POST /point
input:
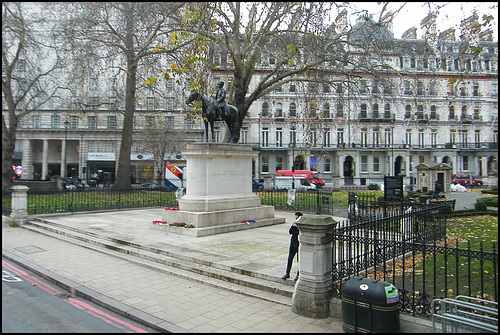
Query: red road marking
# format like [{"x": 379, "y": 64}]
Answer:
[{"x": 75, "y": 302}]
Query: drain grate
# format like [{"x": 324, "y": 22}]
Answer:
[{"x": 30, "y": 249}]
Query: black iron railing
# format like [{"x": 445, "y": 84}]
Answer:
[
  {"x": 406, "y": 245},
  {"x": 47, "y": 202}
]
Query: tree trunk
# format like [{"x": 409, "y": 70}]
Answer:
[{"x": 123, "y": 175}]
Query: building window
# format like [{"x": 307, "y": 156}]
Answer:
[
  {"x": 293, "y": 136},
  {"x": 420, "y": 112},
  {"x": 112, "y": 122},
  {"x": 477, "y": 138},
  {"x": 362, "y": 88},
  {"x": 326, "y": 163},
  {"x": 265, "y": 164},
  {"x": 169, "y": 123},
  {"x": 453, "y": 133},
  {"x": 433, "y": 139},
  {"x": 475, "y": 91},
  {"x": 265, "y": 109},
  {"x": 387, "y": 111},
  {"x": 292, "y": 88},
  {"x": 407, "y": 89},
  {"x": 376, "y": 141},
  {"x": 494, "y": 90},
  {"x": 340, "y": 110},
  {"x": 189, "y": 124},
  {"x": 364, "y": 138},
  {"x": 170, "y": 103},
  {"x": 376, "y": 164},
  {"x": 265, "y": 137},
  {"x": 375, "y": 111},
  {"x": 421, "y": 139},
  {"x": 150, "y": 122},
  {"x": 93, "y": 103},
  {"x": 451, "y": 113},
  {"x": 340, "y": 137},
  {"x": 112, "y": 103},
  {"x": 312, "y": 138},
  {"x": 293, "y": 110},
  {"x": 37, "y": 121},
  {"x": 93, "y": 84},
  {"x": 408, "y": 112},
  {"x": 433, "y": 113},
  {"x": 432, "y": 88},
  {"x": 279, "y": 110},
  {"x": 326, "y": 139},
  {"x": 420, "y": 88},
  {"x": 73, "y": 122},
  {"x": 93, "y": 122},
  {"x": 279, "y": 138},
  {"x": 465, "y": 163},
  {"x": 279, "y": 162},
  {"x": 388, "y": 138},
  {"x": 363, "y": 111},
  {"x": 326, "y": 88},
  {"x": 364, "y": 163},
  {"x": 326, "y": 111},
  {"x": 54, "y": 121},
  {"x": 408, "y": 138}
]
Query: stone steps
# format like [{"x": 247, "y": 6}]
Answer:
[{"x": 178, "y": 261}]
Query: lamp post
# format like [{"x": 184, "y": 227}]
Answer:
[
  {"x": 392, "y": 149},
  {"x": 293, "y": 135},
  {"x": 65, "y": 165}
]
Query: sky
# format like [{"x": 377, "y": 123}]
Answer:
[{"x": 449, "y": 16}]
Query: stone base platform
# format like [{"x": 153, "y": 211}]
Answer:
[{"x": 219, "y": 222}]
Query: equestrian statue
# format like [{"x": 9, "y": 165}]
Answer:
[{"x": 219, "y": 111}]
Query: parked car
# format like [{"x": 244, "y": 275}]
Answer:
[
  {"x": 466, "y": 180},
  {"x": 153, "y": 187},
  {"x": 70, "y": 184},
  {"x": 257, "y": 186}
]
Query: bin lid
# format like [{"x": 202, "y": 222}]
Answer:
[{"x": 370, "y": 290}]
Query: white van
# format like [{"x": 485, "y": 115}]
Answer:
[{"x": 285, "y": 183}]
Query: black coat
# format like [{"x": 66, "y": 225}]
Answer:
[{"x": 294, "y": 241}]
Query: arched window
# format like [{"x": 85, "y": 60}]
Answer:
[
  {"x": 293, "y": 110},
  {"x": 279, "y": 110},
  {"x": 265, "y": 109}
]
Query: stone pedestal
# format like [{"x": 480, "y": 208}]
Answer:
[
  {"x": 312, "y": 292},
  {"x": 19, "y": 204},
  {"x": 219, "y": 192}
]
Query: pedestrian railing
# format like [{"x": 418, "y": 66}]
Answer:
[{"x": 406, "y": 245}]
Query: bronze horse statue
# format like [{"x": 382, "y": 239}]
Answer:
[{"x": 231, "y": 116}]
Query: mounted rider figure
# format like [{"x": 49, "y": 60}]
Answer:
[{"x": 220, "y": 101}]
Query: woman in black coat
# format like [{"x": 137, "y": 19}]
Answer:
[{"x": 294, "y": 246}]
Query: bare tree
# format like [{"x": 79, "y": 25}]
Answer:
[
  {"x": 133, "y": 32},
  {"x": 30, "y": 65}
]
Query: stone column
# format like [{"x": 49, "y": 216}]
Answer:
[
  {"x": 19, "y": 214},
  {"x": 27, "y": 163},
  {"x": 45, "y": 158},
  {"x": 313, "y": 289},
  {"x": 64, "y": 162}
]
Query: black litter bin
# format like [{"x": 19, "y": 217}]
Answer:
[{"x": 369, "y": 306}]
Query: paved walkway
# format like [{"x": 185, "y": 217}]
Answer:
[{"x": 167, "y": 301}]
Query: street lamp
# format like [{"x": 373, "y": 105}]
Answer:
[
  {"x": 65, "y": 165},
  {"x": 292, "y": 135},
  {"x": 392, "y": 148}
]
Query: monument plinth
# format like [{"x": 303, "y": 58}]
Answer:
[{"x": 219, "y": 192}]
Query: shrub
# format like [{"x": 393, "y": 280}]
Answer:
[
  {"x": 490, "y": 202},
  {"x": 480, "y": 205}
]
